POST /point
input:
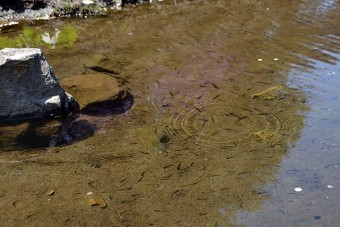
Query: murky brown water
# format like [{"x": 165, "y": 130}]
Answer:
[{"x": 226, "y": 120}]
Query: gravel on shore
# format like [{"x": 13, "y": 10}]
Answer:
[{"x": 13, "y": 11}]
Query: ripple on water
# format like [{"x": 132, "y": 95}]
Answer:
[{"x": 229, "y": 124}]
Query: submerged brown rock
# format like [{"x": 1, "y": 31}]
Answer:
[{"x": 91, "y": 87}]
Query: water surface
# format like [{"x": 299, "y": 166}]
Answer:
[{"x": 234, "y": 106}]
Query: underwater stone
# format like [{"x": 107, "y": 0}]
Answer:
[
  {"x": 29, "y": 89},
  {"x": 275, "y": 92},
  {"x": 92, "y": 88}
]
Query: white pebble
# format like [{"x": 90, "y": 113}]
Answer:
[
  {"x": 298, "y": 189},
  {"x": 276, "y": 59},
  {"x": 87, "y": 2},
  {"x": 330, "y": 186},
  {"x": 89, "y": 193},
  {"x": 260, "y": 59}
]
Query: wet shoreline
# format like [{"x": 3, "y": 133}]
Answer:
[{"x": 12, "y": 13}]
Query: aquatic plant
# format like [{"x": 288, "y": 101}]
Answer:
[
  {"x": 67, "y": 37},
  {"x": 31, "y": 37}
]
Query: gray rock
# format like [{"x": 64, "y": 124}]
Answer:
[{"x": 29, "y": 89}]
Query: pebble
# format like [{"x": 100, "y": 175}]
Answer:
[
  {"x": 276, "y": 59},
  {"x": 97, "y": 202},
  {"x": 51, "y": 192},
  {"x": 318, "y": 217},
  {"x": 89, "y": 193},
  {"x": 87, "y": 2},
  {"x": 259, "y": 59},
  {"x": 330, "y": 186},
  {"x": 298, "y": 189}
]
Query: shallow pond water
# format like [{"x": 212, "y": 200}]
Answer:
[{"x": 235, "y": 108}]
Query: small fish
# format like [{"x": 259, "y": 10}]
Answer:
[
  {"x": 217, "y": 96},
  {"x": 198, "y": 109},
  {"x": 106, "y": 71},
  {"x": 214, "y": 85},
  {"x": 200, "y": 96},
  {"x": 204, "y": 121},
  {"x": 100, "y": 69}
]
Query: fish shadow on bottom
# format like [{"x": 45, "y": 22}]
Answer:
[{"x": 121, "y": 104}]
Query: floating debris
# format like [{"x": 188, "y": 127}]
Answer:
[{"x": 298, "y": 189}]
